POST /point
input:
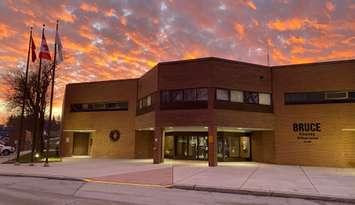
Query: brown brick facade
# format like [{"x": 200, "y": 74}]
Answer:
[{"x": 270, "y": 127}]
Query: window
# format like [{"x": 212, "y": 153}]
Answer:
[
  {"x": 176, "y": 95},
  {"x": 202, "y": 94},
  {"x": 140, "y": 104},
  {"x": 336, "y": 95},
  {"x": 251, "y": 97},
  {"x": 144, "y": 102},
  {"x": 189, "y": 95},
  {"x": 236, "y": 96},
  {"x": 352, "y": 95},
  {"x": 304, "y": 98},
  {"x": 149, "y": 100},
  {"x": 99, "y": 106},
  {"x": 165, "y": 97},
  {"x": 265, "y": 98},
  {"x": 222, "y": 94}
]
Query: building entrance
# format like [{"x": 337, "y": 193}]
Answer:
[
  {"x": 233, "y": 147},
  {"x": 194, "y": 146},
  {"x": 186, "y": 146},
  {"x": 81, "y": 143}
]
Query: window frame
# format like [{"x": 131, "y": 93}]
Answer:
[{"x": 222, "y": 89}]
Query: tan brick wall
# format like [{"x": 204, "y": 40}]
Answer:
[
  {"x": 263, "y": 146},
  {"x": 102, "y": 122},
  {"x": 330, "y": 149},
  {"x": 144, "y": 144}
]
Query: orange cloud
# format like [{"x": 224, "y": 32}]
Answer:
[
  {"x": 295, "y": 40},
  {"x": 239, "y": 28},
  {"x": 330, "y": 6},
  {"x": 89, "y": 7},
  {"x": 5, "y": 31},
  {"x": 251, "y": 4},
  {"x": 295, "y": 24},
  {"x": 85, "y": 32}
]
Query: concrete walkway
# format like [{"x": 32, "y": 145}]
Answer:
[{"x": 240, "y": 177}]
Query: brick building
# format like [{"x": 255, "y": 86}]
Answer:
[{"x": 218, "y": 110}]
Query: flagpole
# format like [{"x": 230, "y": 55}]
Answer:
[
  {"x": 34, "y": 139},
  {"x": 46, "y": 164},
  {"x": 19, "y": 140}
]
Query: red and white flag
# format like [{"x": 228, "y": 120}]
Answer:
[
  {"x": 44, "y": 52},
  {"x": 33, "y": 50}
]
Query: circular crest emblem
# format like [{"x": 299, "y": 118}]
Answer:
[{"x": 115, "y": 135}]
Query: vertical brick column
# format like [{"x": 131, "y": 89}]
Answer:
[
  {"x": 212, "y": 146},
  {"x": 212, "y": 130},
  {"x": 157, "y": 145}
]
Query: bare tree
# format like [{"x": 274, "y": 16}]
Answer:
[{"x": 16, "y": 83}]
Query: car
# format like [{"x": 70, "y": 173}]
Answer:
[{"x": 6, "y": 150}]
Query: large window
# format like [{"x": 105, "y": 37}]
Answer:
[
  {"x": 99, "y": 106},
  {"x": 189, "y": 95},
  {"x": 183, "y": 95},
  {"x": 264, "y": 98},
  {"x": 352, "y": 95},
  {"x": 145, "y": 102},
  {"x": 201, "y": 94},
  {"x": 237, "y": 96},
  {"x": 222, "y": 94},
  {"x": 319, "y": 97},
  {"x": 248, "y": 97},
  {"x": 251, "y": 97},
  {"x": 176, "y": 95}
]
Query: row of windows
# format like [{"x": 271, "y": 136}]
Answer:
[
  {"x": 145, "y": 102},
  {"x": 319, "y": 97},
  {"x": 99, "y": 106},
  {"x": 184, "y": 95},
  {"x": 243, "y": 96}
]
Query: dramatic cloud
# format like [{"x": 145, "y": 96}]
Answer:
[{"x": 123, "y": 39}]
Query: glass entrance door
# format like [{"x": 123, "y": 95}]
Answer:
[
  {"x": 233, "y": 147},
  {"x": 187, "y": 146},
  {"x": 181, "y": 147}
]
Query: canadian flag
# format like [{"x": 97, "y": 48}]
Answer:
[
  {"x": 33, "y": 50},
  {"x": 44, "y": 52}
]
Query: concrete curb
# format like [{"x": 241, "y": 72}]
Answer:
[
  {"x": 265, "y": 193},
  {"x": 43, "y": 177}
]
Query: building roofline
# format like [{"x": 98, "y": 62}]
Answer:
[
  {"x": 102, "y": 81},
  {"x": 211, "y": 58},
  {"x": 314, "y": 63}
]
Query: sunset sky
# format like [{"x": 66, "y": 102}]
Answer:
[{"x": 117, "y": 39}]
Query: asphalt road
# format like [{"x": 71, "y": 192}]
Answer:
[{"x": 35, "y": 191}]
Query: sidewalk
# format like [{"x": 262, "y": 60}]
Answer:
[{"x": 242, "y": 177}]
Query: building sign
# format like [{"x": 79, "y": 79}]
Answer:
[{"x": 307, "y": 131}]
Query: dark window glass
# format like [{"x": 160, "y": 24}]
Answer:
[
  {"x": 165, "y": 97},
  {"x": 314, "y": 97},
  {"x": 304, "y": 98},
  {"x": 352, "y": 95},
  {"x": 190, "y": 95},
  {"x": 202, "y": 94},
  {"x": 76, "y": 107},
  {"x": 140, "y": 104},
  {"x": 336, "y": 95},
  {"x": 99, "y": 106},
  {"x": 149, "y": 100},
  {"x": 176, "y": 95},
  {"x": 222, "y": 94},
  {"x": 251, "y": 97},
  {"x": 88, "y": 107},
  {"x": 144, "y": 102}
]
